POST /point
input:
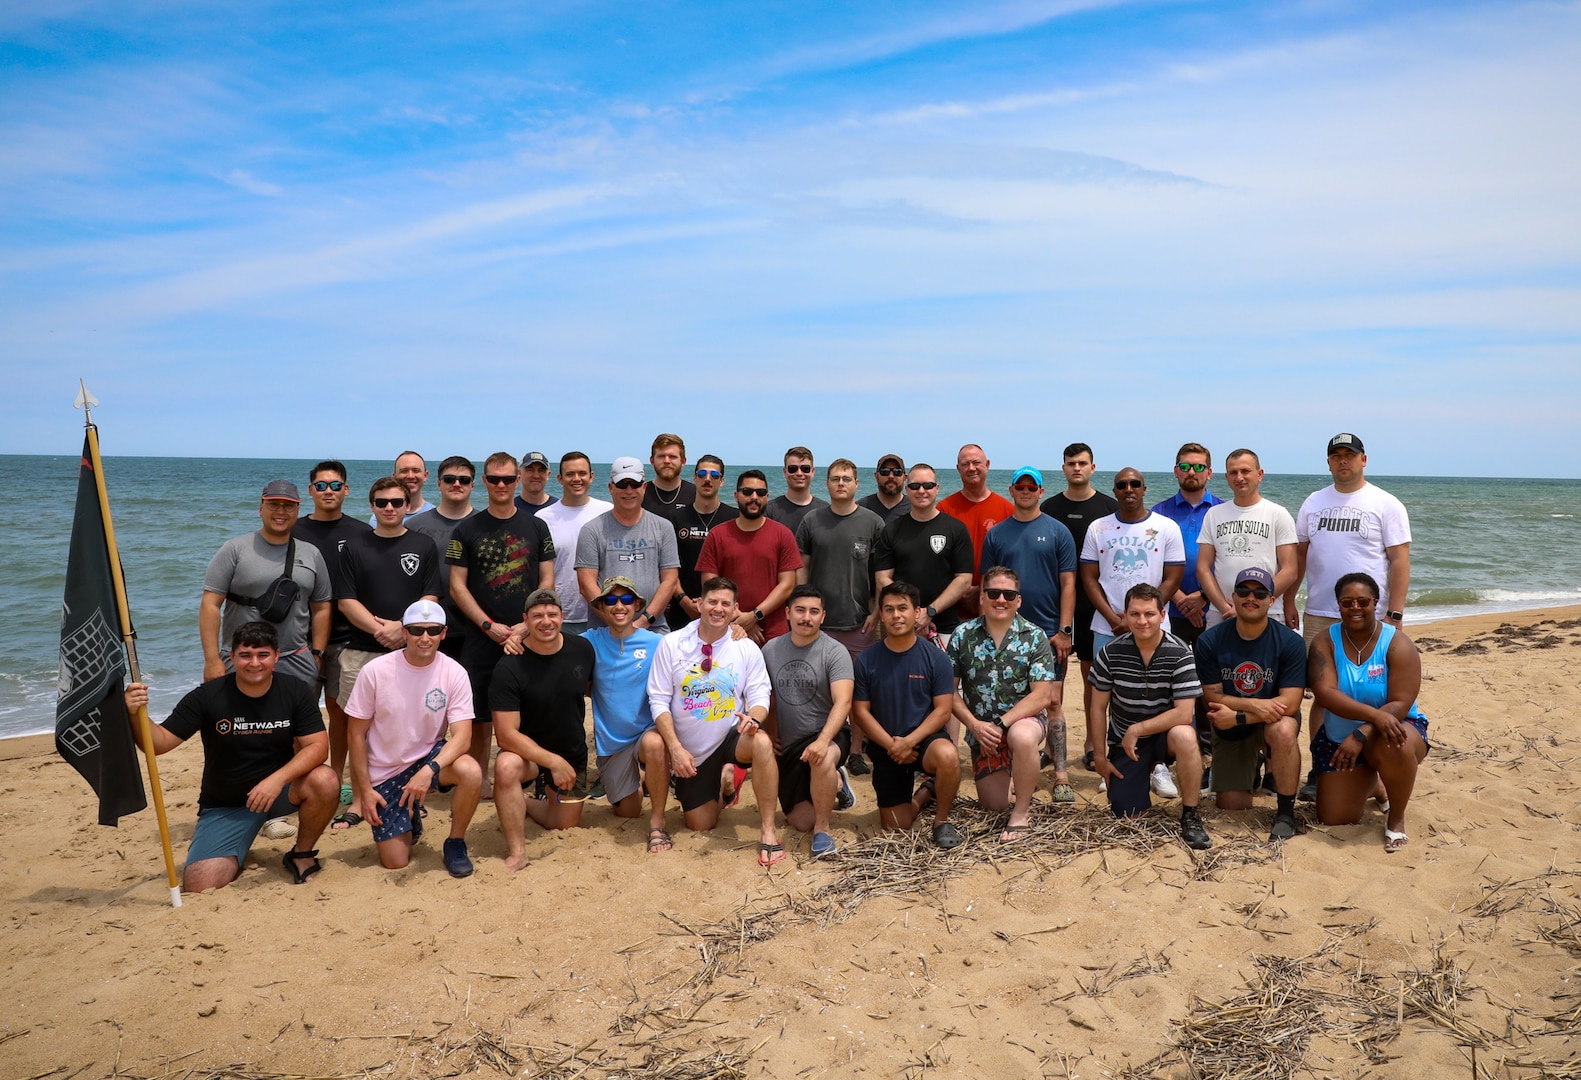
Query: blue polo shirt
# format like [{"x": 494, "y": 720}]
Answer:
[{"x": 1189, "y": 518}]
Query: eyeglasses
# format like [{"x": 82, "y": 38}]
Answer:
[
  {"x": 425, "y": 631},
  {"x": 1357, "y": 603},
  {"x": 1190, "y": 466},
  {"x": 399, "y": 500},
  {"x": 922, "y": 485},
  {"x": 891, "y": 471},
  {"x": 627, "y": 485},
  {"x": 708, "y": 658},
  {"x": 455, "y": 478},
  {"x": 709, "y": 474},
  {"x": 1252, "y": 590},
  {"x": 1122, "y": 485},
  {"x": 836, "y": 478},
  {"x": 328, "y": 485},
  {"x": 624, "y": 599},
  {"x": 753, "y": 493},
  {"x": 490, "y": 478},
  {"x": 1001, "y": 594},
  {"x": 798, "y": 468}
]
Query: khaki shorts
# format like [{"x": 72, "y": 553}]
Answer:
[
  {"x": 1314, "y": 626},
  {"x": 351, "y": 662},
  {"x": 329, "y": 672}
]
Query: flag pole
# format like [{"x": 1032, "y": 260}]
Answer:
[{"x": 145, "y": 734}]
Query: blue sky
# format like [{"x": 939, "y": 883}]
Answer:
[{"x": 261, "y": 229}]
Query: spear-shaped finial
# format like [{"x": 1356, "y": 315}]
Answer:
[{"x": 85, "y": 401}]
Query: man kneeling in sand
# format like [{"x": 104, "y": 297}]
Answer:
[
  {"x": 264, "y": 748},
  {"x": 538, "y": 698},
  {"x": 709, "y": 694},
  {"x": 400, "y": 709}
]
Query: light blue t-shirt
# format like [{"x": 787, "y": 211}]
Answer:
[
  {"x": 1038, "y": 551},
  {"x": 620, "y": 687}
]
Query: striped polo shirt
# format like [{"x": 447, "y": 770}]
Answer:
[{"x": 1139, "y": 691}]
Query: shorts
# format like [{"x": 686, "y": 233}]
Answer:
[
  {"x": 1323, "y": 747},
  {"x": 230, "y": 830},
  {"x": 1083, "y": 649},
  {"x": 577, "y": 792},
  {"x": 479, "y": 658},
  {"x": 1315, "y": 626},
  {"x": 621, "y": 772},
  {"x": 397, "y": 819},
  {"x": 574, "y": 629},
  {"x": 796, "y": 774},
  {"x": 1235, "y": 760},
  {"x": 985, "y": 764},
  {"x": 892, "y": 781},
  {"x": 855, "y": 641},
  {"x": 351, "y": 664},
  {"x": 1099, "y": 641},
  {"x": 329, "y": 671},
  {"x": 702, "y": 788},
  {"x": 1130, "y": 794}
]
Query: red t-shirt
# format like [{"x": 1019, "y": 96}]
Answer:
[
  {"x": 978, "y": 517},
  {"x": 754, "y": 561}
]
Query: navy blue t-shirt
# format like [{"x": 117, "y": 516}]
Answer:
[
  {"x": 1274, "y": 661},
  {"x": 1038, "y": 551},
  {"x": 900, "y": 687}
]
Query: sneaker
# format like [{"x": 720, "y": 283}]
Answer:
[
  {"x": 1284, "y": 827},
  {"x": 946, "y": 835},
  {"x": 822, "y": 844},
  {"x": 597, "y": 790},
  {"x": 845, "y": 798},
  {"x": 1164, "y": 784},
  {"x": 456, "y": 860},
  {"x": 1207, "y": 781},
  {"x": 1270, "y": 785},
  {"x": 858, "y": 765},
  {"x": 1191, "y": 830},
  {"x": 1308, "y": 792}
]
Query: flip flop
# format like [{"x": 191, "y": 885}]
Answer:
[
  {"x": 1393, "y": 841},
  {"x": 345, "y": 821},
  {"x": 769, "y": 854},
  {"x": 1014, "y": 834},
  {"x": 739, "y": 776},
  {"x": 299, "y": 877},
  {"x": 659, "y": 841}
]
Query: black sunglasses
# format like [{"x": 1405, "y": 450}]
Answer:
[
  {"x": 922, "y": 485},
  {"x": 328, "y": 485},
  {"x": 798, "y": 468},
  {"x": 425, "y": 631},
  {"x": 753, "y": 493},
  {"x": 455, "y": 478},
  {"x": 1001, "y": 594},
  {"x": 627, "y": 485},
  {"x": 1252, "y": 590},
  {"x": 1121, "y": 485},
  {"x": 490, "y": 478},
  {"x": 399, "y": 500},
  {"x": 888, "y": 470}
]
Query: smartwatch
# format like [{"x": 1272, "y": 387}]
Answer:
[
  {"x": 757, "y": 613},
  {"x": 1068, "y": 631},
  {"x": 933, "y": 612},
  {"x": 1240, "y": 718},
  {"x": 1360, "y": 737},
  {"x": 317, "y": 652},
  {"x": 432, "y": 764},
  {"x": 1394, "y": 616},
  {"x": 643, "y": 614},
  {"x": 486, "y": 625}
]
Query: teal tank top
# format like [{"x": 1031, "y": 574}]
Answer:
[{"x": 1367, "y": 682}]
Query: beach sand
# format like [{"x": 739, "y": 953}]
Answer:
[{"x": 1055, "y": 958}]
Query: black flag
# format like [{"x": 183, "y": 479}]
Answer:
[{"x": 92, "y": 731}]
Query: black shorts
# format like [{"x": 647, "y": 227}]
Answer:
[
  {"x": 1130, "y": 795},
  {"x": 1082, "y": 648},
  {"x": 702, "y": 787},
  {"x": 796, "y": 774},
  {"x": 479, "y": 656},
  {"x": 892, "y": 781}
]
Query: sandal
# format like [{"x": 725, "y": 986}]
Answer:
[
  {"x": 1393, "y": 841},
  {"x": 769, "y": 854},
  {"x": 659, "y": 841},
  {"x": 345, "y": 821},
  {"x": 921, "y": 801},
  {"x": 1014, "y": 834},
  {"x": 300, "y": 876},
  {"x": 1063, "y": 792}
]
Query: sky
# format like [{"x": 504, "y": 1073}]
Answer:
[{"x": 288, "y": 230}]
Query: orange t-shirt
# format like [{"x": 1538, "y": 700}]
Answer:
[{"x": 978, "y": 517}]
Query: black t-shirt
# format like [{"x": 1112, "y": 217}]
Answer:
[
  {"x": 789, "y": 514},
  {"x": 654, "y": 504},
  {"x": 386, "y": 574},
  {"x": 1078, "y": 517},
  {"x": 330, "y": 538},
  {"x": 244, "y": 738},
  {"x": 887, "y": 513},
  {"x": 533, "y": 508},
  {"x": 927, "y": 554},
  {"x": 1276, "y": 660},
  {"x": 691, "y": 529},
  {"x": 501, "y": 556},
  {"x": 550, "y": 694}
]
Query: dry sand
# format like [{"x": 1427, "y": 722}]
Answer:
[{"x": 1088, "y": 951}]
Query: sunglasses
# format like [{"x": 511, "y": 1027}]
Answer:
[
  {"x": 1357, "y": 602},
  {"x": 1001, "y": 594},
  {"x": 490, "y": 478},
  {"x": 1122, "y": 485},
  {"x": 328, "y": 485},
  {"x": 1252, "y": 590},
  {"x": 891, "y": 471},
  {"x": 425, "y": 631},
  {"x": 627, "y": 485},
  {"x": 709, "y": 474},
  {"x": 397, "y": 501},
  {"x": 1195, "y": 466},
  {"x": 922, "y": 485},
  {"x": 624, "y": 599},
  {"x": 753, "y": 493},
  {"x": 708, "y": 658},
  {"x": 798, "y": 468},
  {"x": 1026, "y": 489},
  {"x": 455, "y": 478}
]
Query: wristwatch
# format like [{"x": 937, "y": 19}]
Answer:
[
  {"x": 1394, "y": 616},
  {"x": 933, "y": 612},
  {"x": 643, "y": 614},
  {"x": 486, "y": 625},
  {"x": 432, "y": 764},
  {"x": 1240, "y": 718},
  {"x": 1068, "y": 631},
  {"x": 757, "y": 613},
  {"x": 316, "y": 652}
]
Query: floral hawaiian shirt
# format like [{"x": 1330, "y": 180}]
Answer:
[{"x": 995, "y": 677}]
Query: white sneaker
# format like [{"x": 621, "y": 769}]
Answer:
[{"x": 1164, "y": 784}]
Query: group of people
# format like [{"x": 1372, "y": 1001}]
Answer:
[{"x": 793, "y": 642}]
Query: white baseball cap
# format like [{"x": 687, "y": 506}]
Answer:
[{"x": 423, "y": 612}]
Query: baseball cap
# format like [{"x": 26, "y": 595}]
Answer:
[
  {"x": 283, "y": 490},
  {"x": 1027, "y": 470},
  {"x": 1345, "y": 441},
  {"x": 626, "y": 468},
  {"x": 423, "y": 612},
  {"x": 896, "y": 458},
  {"x": 542, "y": 596},
  {"x": 534, "y": 457},
  {"x": 621, "y": 582},
  {"x": 1257, "y": 576}
]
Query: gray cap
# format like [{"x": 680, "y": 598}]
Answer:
[
  {"x": 283, "y": 490},
  {"x": 539, "y": 597}
]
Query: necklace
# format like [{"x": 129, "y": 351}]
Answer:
[
  {"x": 658, "y": 493},
  {"x": 1366, "y": 645},
  {"x": 709, "y": 524}
]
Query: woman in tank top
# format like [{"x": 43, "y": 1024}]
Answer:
[{"x": 1366, "y": 674}]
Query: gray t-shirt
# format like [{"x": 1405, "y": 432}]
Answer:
[
  {"x": 248, "y": 565},
  {"x": 836, "y": 551},
  {"x": 801, "y": 680},
  {"x": 640, "y": 552},
  {"x": 437, "y": 527}
]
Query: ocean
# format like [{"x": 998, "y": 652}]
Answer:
[{"x": 1479, "y": 545}]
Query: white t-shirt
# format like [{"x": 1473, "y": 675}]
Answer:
[
  {"x": 565, "y": 525},
  {"x": 1243, "y": 536},
  {"x": 704, "y": 706},
  {"x": 410, "y": 707},
  {"x": 1346, "y": 533},
  {"x": 1131, "y": 553}
]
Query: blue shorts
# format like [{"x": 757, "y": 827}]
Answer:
[
  {"x": 230, "y": 830},
  {"x": 1323, "y": 747},
  {"x": 397, "y": 819},
  {"x": 1130, "y": 794},
  {"x": 1099, "y": 641}
]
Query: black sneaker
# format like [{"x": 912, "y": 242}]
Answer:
[
  {"x": 597, "y": 790},
  {"x": 1284, "y": 828},
  {"x": 1191, "y": 830},
  {"x": 1308, "y": 792},
  {"x": 456, "y": 860},
  {"x": 1270, "y": 785},
  {"x": 857, "y": 765},
  {"x": 845, "y": 798}
]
